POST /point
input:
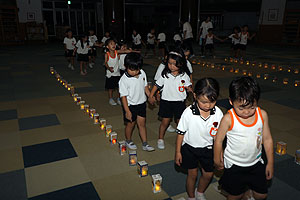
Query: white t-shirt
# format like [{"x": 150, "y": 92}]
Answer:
[
  {"x": 205, "y": 26},
  {"x": 177, "y": 37},
  {"x": 161, "y": 37},
  {"x": 173, "y": 86},
  {"x": 121, "y": 61},
  {"x": 136, "y": 39},
  {"x": 133, "y": 88},
  {"x": 209, "y": 39},
  {"x": 104, "y": 39},
  {"x": 161, "y": 67},
  {"x": 150, "y": 40},
  {"x": 244, "y": 38},
  {"x": 93, "y": 39},
  {"x": 189, "y": 31},
  {"x": 198, "y": 132},
  {"x": 81, "y": 50},
  {"x": 70, "y": 43},
  {"x": 244, "y": 143},
  {"x": 113, "y": 62},
  {"x": 233, "y": 39}
]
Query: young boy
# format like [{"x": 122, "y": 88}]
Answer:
[
  {"x": 209, "y": 42},
  {"x": 246, "y": 127},
  {"x": 244, "y": 37},
  {"x": 133, "y": 88}
]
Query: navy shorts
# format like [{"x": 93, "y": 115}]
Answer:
[
  {"x": 150, "y": 46},
  {"x": 83, "y": 57},
  {"x": 242, "y": 47},
  {"x": 170, "y": 109},
  {"x": 112, "y": 82},
  {"x": 136, "y": 110},
  {"x": 69, "y": 53}
]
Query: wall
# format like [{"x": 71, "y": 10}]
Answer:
[
  {"x": 30, "y": 6},
  {"x": 232, "y": 19},
  {"x": 266, "y": 5}
]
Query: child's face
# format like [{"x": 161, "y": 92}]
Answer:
[
  {"x": 187, "y": 54},
  {"x": 91, "y": 32},
  {"x": 84, "y": 39},
  {"x": 204, "y": 103},
  {"x": 134, "y": 32},
  {"x": 111, "y": 46},
  {"x": 133, "y": 72},
  {"x": 245, "y": 29},
  {"x": 107, "y": 34},
  {"x": 172, "y": 65},
  {"x": 242, "y": 111},
  {"x": 124, "y": 47},
  {"x": 70, "y": 34},
  {"x": 152, "y": 31}
]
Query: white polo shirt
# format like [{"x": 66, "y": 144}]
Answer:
[
  {"x": 233, "y": 39},
  {"x": 161, "y": 37},
  {"x": 205, "y": 26},
  {"x": 150, "y": 40},
  {"x": 81, "y": 50},
  {"x": 173, "y": 86},
  {"x": 177, "y": 37},
  {"x": 70, "y": 43},
  {"x": 93, "y": 39},
  {"x": 198, "y": 132},
  {"x": 137, "y": 40},
  {"x": 121, "y": 61},
  {"x": 189, "y": 31},
  {"x": 161, "y": 67},
  {"x": 133, "y": 88},
  {"x": 104, "y": 39}
]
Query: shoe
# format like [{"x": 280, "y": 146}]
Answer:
[
  {"x": 112, "y": 102},
  {"x": 72, "y": 67},
  {"x": 69, "y": 66},
  {"x": 119, "y": 101},
  {"x": 91, "y": 65},
  {"x": 85, "y": 71},
  {"x": 160, "y": 144},
  {"x": 199, "y": 196},
  {"x": 148, "y": 148},
  {"x": 82, "y": 73},
  {"x": 171, "y": 129},
  {"x": 132, "y": 146}
]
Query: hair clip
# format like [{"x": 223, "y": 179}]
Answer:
[{"x": 175, "y": 53}]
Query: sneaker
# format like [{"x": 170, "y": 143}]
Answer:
[
  {"x": 72, "y": 67},
  {"x": 199, "y": 196},
  {"x": 82, "y": 73},
  {"x": 112, "y": 102},
  {"x": 160, "y": 144},
  {"x": 91, "y": 65},
  {"x": 69, "y": 66},
  {"x": 148, "y": 148},
  {"x": 119, "y": 101},
  {"x": 132, "y": 146},
  {"x": 171, "y": 129}
]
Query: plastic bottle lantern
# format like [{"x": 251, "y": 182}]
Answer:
[
  {"x": 132, "y": 158},
  {"x": 113, "y": 138},
  {"x": 156, "y": 183},
  {"x": 142, "y": 168},
  {"x": 108, "y": 130},
  {"x": 86, "y": 108},
  {"x": 122, "y": 148},
  {"x": 92, "y": 111},
  {"x": 281, "y": 148},
  {"x": 78, "y": 100}
]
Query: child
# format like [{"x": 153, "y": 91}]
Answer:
[
  {"x": 133, "y": 90},
  {"x": 150, "y": 42},
  {"x": 245, "y": 36},
  {"x": 136, "y": 40},
  {"x": 93, "y": 51},
  {"x": 122, "y": 58},
  {"x": 105, "y": 37},
  {"x": 82, "y": 48},
  {"x": 187, "y": 52},
  {"x": 161, "y": 42},
  {"x": 174, "y": 81},
  {"x": 235, "y": 41},
  {"x": 177, "y": 38},
  {"x": 246, "y": 127},
  {"x": 196, "y": 131},
  {"x": 209, "y": 42},
  {"x": 112, "y": 69},
  {"x": 69, "y": 44}
]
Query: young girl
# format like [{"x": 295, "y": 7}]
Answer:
[
  {"x": 174, "y": 81},
  {"x": 177, "y": 38},
  {"x": 69, "y": 44},
  {"x": 209, "y": 42},
  {"x": 113, "y": 69},
  {"x": 136, "y": 40},
  {"x": 245, "y": 36},
  {"x": 235, "y": 41},
  {"x": 93, "y": 51},
  {"x": 82, "y": 48},
  {"x": 196, "y": 131}
]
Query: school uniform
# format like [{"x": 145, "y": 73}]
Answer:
[
  {"x": 197, "y": 145},
  {"x": 177, "y": 40},
  {"x": 243, "y": 40},
  {"x": 136, "y": 41},
  {"x": 70, "y": 45},
  {"x": 82, "y": 53},
  {"x": 150, "y": 41},
  {"x": 173, "y": 94},
  {"x": 234, "y": 41},
  {"x": 162, "y": 66},
  {"x": 244, "y": 166},
  {"x": 209, "y": 42},
  {"x": 112, "y": 78},
  {"x": 103, "y": 41},
  {"x": 162, "y": 40},
  {"x": 121, "y": 63},
  {"x": 93, "y": 51},
  {"x": 133, "y": 88}
]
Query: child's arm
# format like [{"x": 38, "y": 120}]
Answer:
[
  {"x": 111, "y": 69},
  {"x": 217, "y": 38},
  {"x": 127, "y": 51},
  {"x": 268, "y": 145},
  {"x": 128, "y": 114},
  {"x": 151, "y": 98},
  {"x": 178, "y": 156},
  {"x": 147, "y": 91},
  {"x": 252, "y": 36},
  {"x": 218, "y": 148}
]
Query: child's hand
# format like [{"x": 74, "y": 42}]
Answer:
[
  {"x": 111, "y": 69},
  {"x": 157, "y": 97},
  {"x": 269, "y": 171},
  {"x": 219, "y": 163},
  {"x": 178, "y": 158},
  {"x": 189, "y": 89},
  {"x": 151, "y": 100},
  {"x": 128, "y": 116}
]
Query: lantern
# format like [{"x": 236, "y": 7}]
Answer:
[
  {"x": 92, "y": 111},
  {"x": 257, "y": 75},
  {"x": 108, "y": 130},
  {"x": 266, "y": 65},
  {"x": 296, "y": 71},
  {"x": 122, "y": 148},
  {"x": 132, "y": 158},
  {"x": 78, "y": 100},
  {"x": 297, "y": 83},
  {"x": 285, "y": 81},
  {"x": 259, "y": 64},
  {"x": 156, "y": 183},
  {"x": 86, "y": 108},
  {"x": 273, "y": 67},
  {"x": 247, "y": 62},
  {"x": 82, "y": 105},
  {"x": 52, "y": 70},
  {"x": 249, "y": 73},
  {"x": 75, "y": 97},
  {"x": 297, "y": 157},
  {"x": 102, "y": 124},
  {"x": 69, "y": 86},
  {"x": 266, "y": 76},
  {"x": 236, "y": 71},
  {"x": 281, "y": 148},
  {"x": 142, "y": 168},
  {"x": 96, "y": 118},
  {"x": 113, "y": 138}
]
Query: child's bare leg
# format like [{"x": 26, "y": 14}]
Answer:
[
  {"x": 84, "y": 64},
  {"x": 72, "y": 61},
  {"x": 129, "y": 130},
  {"x": 81, "y": 66},
  {"x": 259, "y": 196},
  {"x": 204, "y": 181},
  {"x": 163, "y": 127},
  {"x": 110, "y": 93},
  {"x": 191, "y": 182},
  {"x": 141, "y": 122}
]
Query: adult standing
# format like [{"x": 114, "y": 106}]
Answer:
[
  {"x": 188, "y": 36},
  {"x": 203, "y": 32}
]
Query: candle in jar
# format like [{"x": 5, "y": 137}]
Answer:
[{"x": 281, "y": 148}]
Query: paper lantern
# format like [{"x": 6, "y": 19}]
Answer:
[
  {"x": 75, "y": 97},
  {"x": 273, "y": 67},
  {"x": 142, "y": 168},
  {"x": 223, "y": 67},
  {"x": 122, "y": 148},
  {"x": 249, "y": 73},
  {"x": 82, "y": 105},
  {"x": 285, "y": 81},
  {"x": 236, "y": 71},
  {"x": 52, "y": 70},
  {"x": 247, "y": 62},
  {"x": 226, "y": 59},
  {"x": 266, "y": 65},
  {"x": 96, "y": 118},
  {"x": 92, "y": 111},
  {"x": 156, "y": 183},
  {"x": 281, "y": 148},
  {"x": 280, "y": 68},
  {"x": 259, "y": 64},
  {"x": 257, "y": 75},
  {"x": 254, "y": 64},
  {"x": 69, "y": 87},
  {"x": 72, "y": 91},
  {"x": 86, "y": 108},
  {"x": 231, "y": 69},
  {"x": 274, "y": 79},
  {"x": 102, "y": 124},
  {"x": 297, "y": 83},
  {"x": 266, "y": 76},
  {"x": 244, "y": 72},
  {"x": 108, "y": 130},
  {"x": 297, "y": 157},
  {"x": 241, "y": 62},
  {"x": 113, "y": 138},
  {"x": 296, "y": 71},
  {"x": 132, "y": 158}
]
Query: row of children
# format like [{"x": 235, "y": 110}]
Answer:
[{"x": 202, "y": 127}]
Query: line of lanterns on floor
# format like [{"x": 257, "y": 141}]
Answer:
[
  {"x": 266, "y": 76},
  {"x": 281, "y": 148},
  {"x": 142, "y": 166}
]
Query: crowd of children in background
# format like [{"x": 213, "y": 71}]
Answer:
[{"x": 201, "y": 126}]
